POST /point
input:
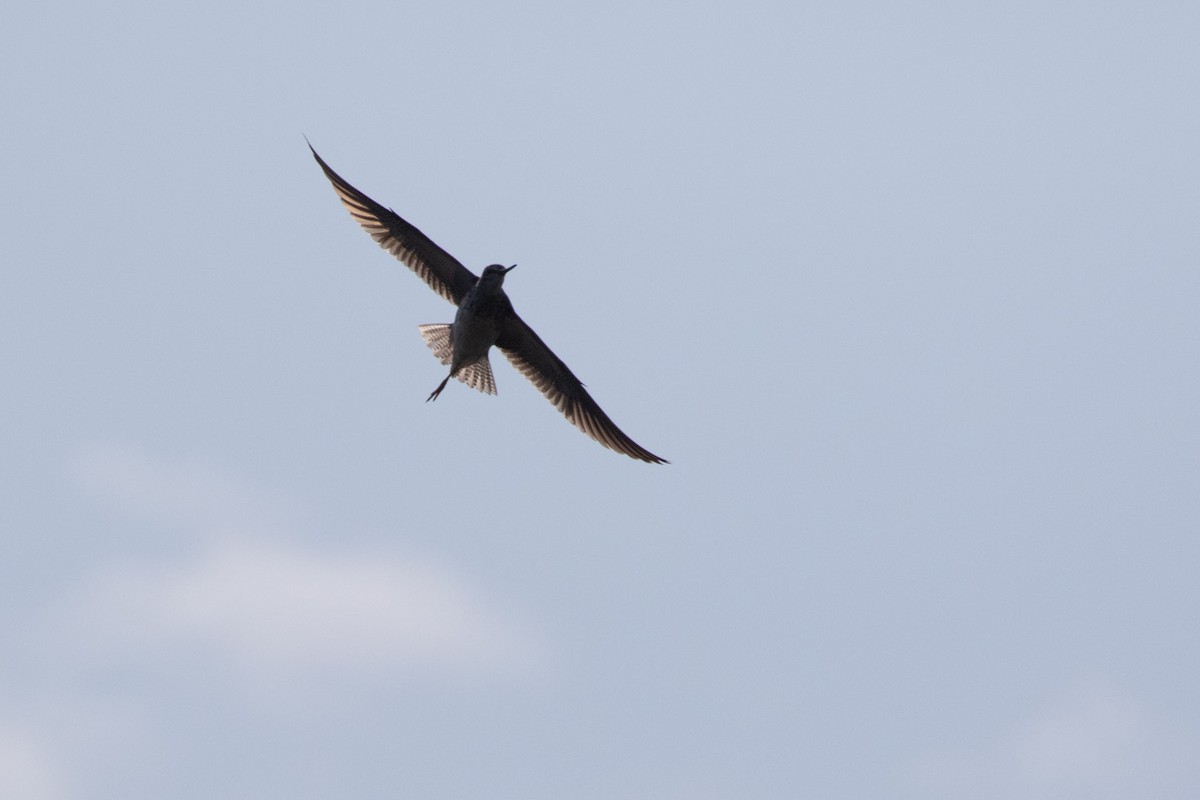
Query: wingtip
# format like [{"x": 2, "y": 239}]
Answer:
[{"x": 328, "y": 170}]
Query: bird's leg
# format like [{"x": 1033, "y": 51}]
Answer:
[{"x": 438, "y": 390}]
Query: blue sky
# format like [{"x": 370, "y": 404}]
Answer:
[{"x": 907, "y": 295}]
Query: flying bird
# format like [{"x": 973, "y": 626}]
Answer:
[{"x": 485, "y": 317}]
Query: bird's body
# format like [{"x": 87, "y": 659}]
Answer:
[
  {"x": 485, "y": 319},
  {"x": 477, "y": 325}
]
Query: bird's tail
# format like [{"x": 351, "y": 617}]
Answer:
[
  {"x": 438, "y": 339},
  {"x": 477, "y": 375}
]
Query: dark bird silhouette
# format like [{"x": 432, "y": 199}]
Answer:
[{"x": 485, "y": 317}]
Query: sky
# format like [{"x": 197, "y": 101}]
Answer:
[{"x": 907, "y": 294}]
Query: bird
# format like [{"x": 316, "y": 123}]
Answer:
[{"x": 485, "y": 318}]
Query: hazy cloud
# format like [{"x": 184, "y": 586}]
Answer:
[
  {"x": 177, "y": 492},
  {"x": 1093, "y": 741},
  {"x": 263, "y": 599},
  {"x": 240, "y": 609},
  {"x": 271, "y": 608},
  {"x": 25, "y": 769},
  {"x": 249, "y": 609}
]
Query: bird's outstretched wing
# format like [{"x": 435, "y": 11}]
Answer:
[
  {"x": 529, "y": 354},
  {"x": 442, "y": 271}
]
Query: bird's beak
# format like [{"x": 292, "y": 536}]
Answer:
[{"x": 510, "y": 269}]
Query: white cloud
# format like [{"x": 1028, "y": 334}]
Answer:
[
  {"x": 254, "y": 595},
  {"x": 273, "y": 608},
  {"x": 243, "y": 613},
  {"x": 1092, "y": 742}
]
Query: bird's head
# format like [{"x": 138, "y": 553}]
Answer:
[{"x": 495, "y": 273}]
